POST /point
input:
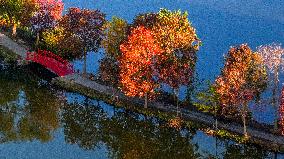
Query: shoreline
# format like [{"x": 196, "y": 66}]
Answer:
[{"x": 84, "y": 86}]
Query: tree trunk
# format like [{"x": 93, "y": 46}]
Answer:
[
  {"x": 146, "y": 101},
  {"x": 14, "y": 29},
  {"x": 176, "y": 97},
  {"x": 37, "y": 40},
  {"x": 244, "y": 114},
  {"x": 275, "y": 155},
  {"x": 85, "y": 63},
  {"x": 275, "y": 102},
  {"x": 215, "y": 113},
  {"x": 216, "y": 146}
]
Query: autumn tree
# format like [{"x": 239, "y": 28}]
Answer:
[
  {"x": 137, "y": 72},
  {"x": 243, "y": 78},
  {"x": 46, "y": 16},
  {"x": 273, "y": 57},
  {"x": 3, "y": 21},
  {"x": 115, "y": 33},
  {"x": 17, "y": 12},
  {"x": 147, "y": 20},
  {"x": 62, "y": 42},
  {"x": 87, "y": 26},
  {"x": 175, "y": 34}
]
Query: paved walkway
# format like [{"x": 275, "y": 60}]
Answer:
[{"x": 13, "y": 46}]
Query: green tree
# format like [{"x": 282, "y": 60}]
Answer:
[
  {"x": 115, "y": 32},
  {"x": 62, "y": 42},
  {"x": 175, "y": 34},
  {"x": 17, "y": 12}
]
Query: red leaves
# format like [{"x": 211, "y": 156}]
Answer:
[
  {"x": 86, "y": 25},
  {"x": 242, "y": 78},
  {"x": 137, "y": 63},
  {"x": 165, "y": 51},
  {"x": 174, "y": 72},
  {"x": 54, "y": 7},
  {"x": 48, "y": 13}
]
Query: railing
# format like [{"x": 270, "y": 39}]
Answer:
[{"x": 51, "y": 61}]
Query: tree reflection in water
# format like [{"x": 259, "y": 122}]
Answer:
[
  {"x": 126, "y": 134},
  {"x": 28, "y": 110},
  {"x": 131, "y": 135},
  {"x": 244, "y": 151},
  {"x": 82, "y": 124}
]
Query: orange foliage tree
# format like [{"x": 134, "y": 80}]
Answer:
[
  {"x": 174, "y": 34},
  {"x": 137, "y": 70},
  {"x": 243, "y": 78}
]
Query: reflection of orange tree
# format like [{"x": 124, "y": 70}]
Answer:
[
  {"x": 129, "y": 137},
  {"x": 242, "y": 79},
  {"x": 82, "y": 124},
  {"x": 41, "y": 115},
  {"x": 243, "y": 151},
  {"x": 36, "y": 119},
  {"x": 137, "y": 64},
  {"x": 125, "y": 134}
]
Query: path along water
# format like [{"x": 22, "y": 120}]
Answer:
[{"x": 13, "y": 46}]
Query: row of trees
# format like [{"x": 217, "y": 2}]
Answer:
[
  {"x": 156, "y": 49},
  {"x": 156, "y": 52},
  {"x": 245, "y": 76}
]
